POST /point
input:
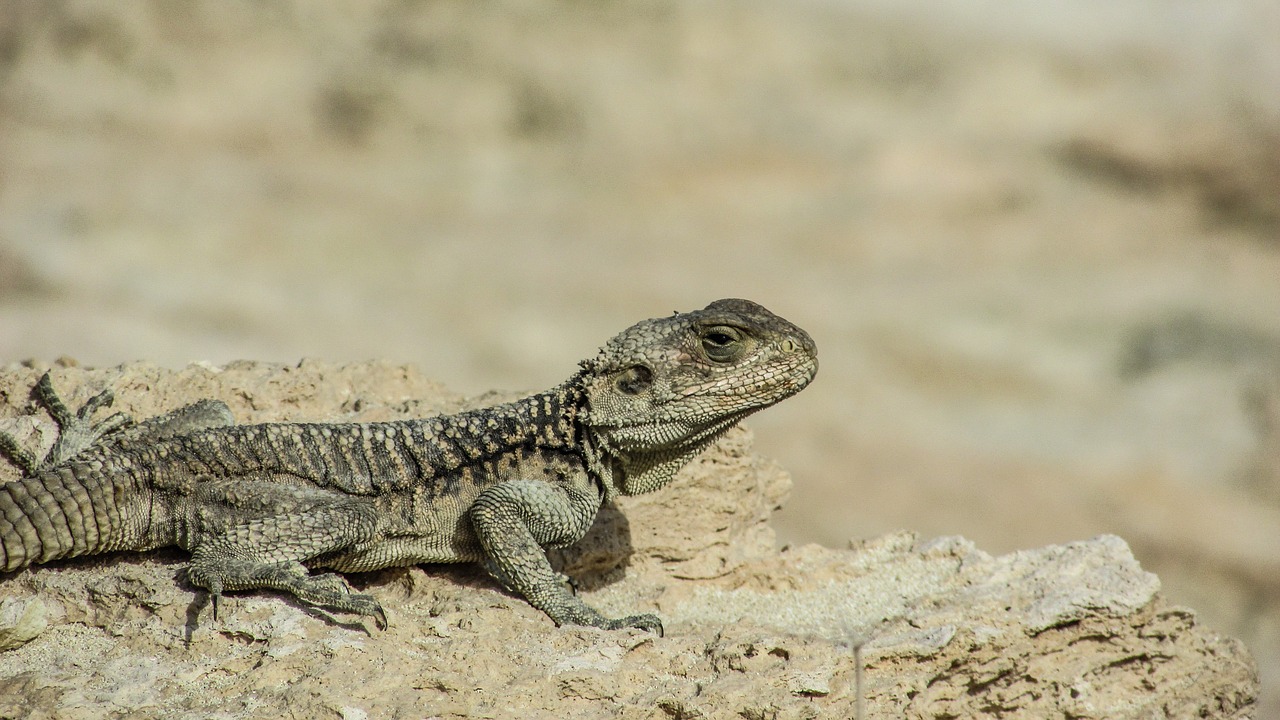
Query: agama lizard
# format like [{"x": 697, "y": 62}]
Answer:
[{"x": 257, "y": 506}]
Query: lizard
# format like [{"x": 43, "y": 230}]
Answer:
[{"x": 260, "y": 506}]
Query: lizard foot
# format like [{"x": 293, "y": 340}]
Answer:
[
  {"x": 569, "y": 610},
  {"x": 328, "y": 590},
  {"x": 332, "y": 591},
  {"x": 77, "y": 431}
]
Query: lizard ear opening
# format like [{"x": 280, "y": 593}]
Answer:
[{"x": 634, "y": 380}]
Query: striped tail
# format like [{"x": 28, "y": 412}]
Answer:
[{"x": 72, "y": 510}]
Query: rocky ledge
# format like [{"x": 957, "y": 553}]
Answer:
[{"x": 941, "y": 628}]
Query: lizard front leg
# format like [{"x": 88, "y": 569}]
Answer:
[{"x": 515, "y": 520}]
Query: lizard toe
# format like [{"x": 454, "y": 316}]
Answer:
[
  {"x": 646, "y": 621},
  {"x": 360, "y": 604}
]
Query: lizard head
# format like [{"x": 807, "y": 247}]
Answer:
[{"x": 663, "y": 389}]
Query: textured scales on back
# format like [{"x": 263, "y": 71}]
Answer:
[{"x": 260, "y": 506}]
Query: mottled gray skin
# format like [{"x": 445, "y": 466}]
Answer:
[{"x": 258, "y": 505}]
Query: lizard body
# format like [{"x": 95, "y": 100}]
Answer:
[{"x": 259, "y": 506}]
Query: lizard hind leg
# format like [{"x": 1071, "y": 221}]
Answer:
[
  {"x": 77, "y": 431},
  {"x": 269, "y": 553},
  {"x": 200, "y": 415}
]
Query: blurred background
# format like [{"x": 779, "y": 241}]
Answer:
[{"x": 1038, "y": 243}]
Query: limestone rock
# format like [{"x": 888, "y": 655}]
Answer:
[
  {"x": 1076, "y": 630},
  {"x": 21, "y": 620}
]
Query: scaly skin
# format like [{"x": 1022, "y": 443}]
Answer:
[{"x": 258, "y": 506}]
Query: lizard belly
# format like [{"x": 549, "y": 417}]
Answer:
[
  {"x": 436, "y": 533},
  {"x": 399, "y": 552}
]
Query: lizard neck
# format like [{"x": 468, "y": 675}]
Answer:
[{"x": 546, "y": 420}]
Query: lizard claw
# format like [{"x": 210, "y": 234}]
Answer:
[
  {"x": 364, "y": 605},
  {"x": 570, "y": 583}
]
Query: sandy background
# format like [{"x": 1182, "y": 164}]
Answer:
[{"x": 1038, "y": 243}]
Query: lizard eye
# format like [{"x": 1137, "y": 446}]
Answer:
[
  {"x": 722, "y": 343},
  {"x": 634, "y": 380}
]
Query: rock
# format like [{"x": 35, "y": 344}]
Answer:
[
  {"x": 945, "y": 630},
  {"x": 21, "y": 620}
]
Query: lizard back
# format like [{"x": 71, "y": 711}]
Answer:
[{"x": 358, "y": 458}]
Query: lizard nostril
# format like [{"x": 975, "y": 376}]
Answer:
[{"x": 790, "y": 346}]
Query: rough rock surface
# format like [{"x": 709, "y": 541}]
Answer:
[{"x": 1076, "y": 630}]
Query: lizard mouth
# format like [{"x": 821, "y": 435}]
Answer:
[
  {"x": 767, "y": 389},
  {"x": 699, "y": 413}
]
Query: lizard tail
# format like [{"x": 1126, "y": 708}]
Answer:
[{"x": 72, "y": 510}]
